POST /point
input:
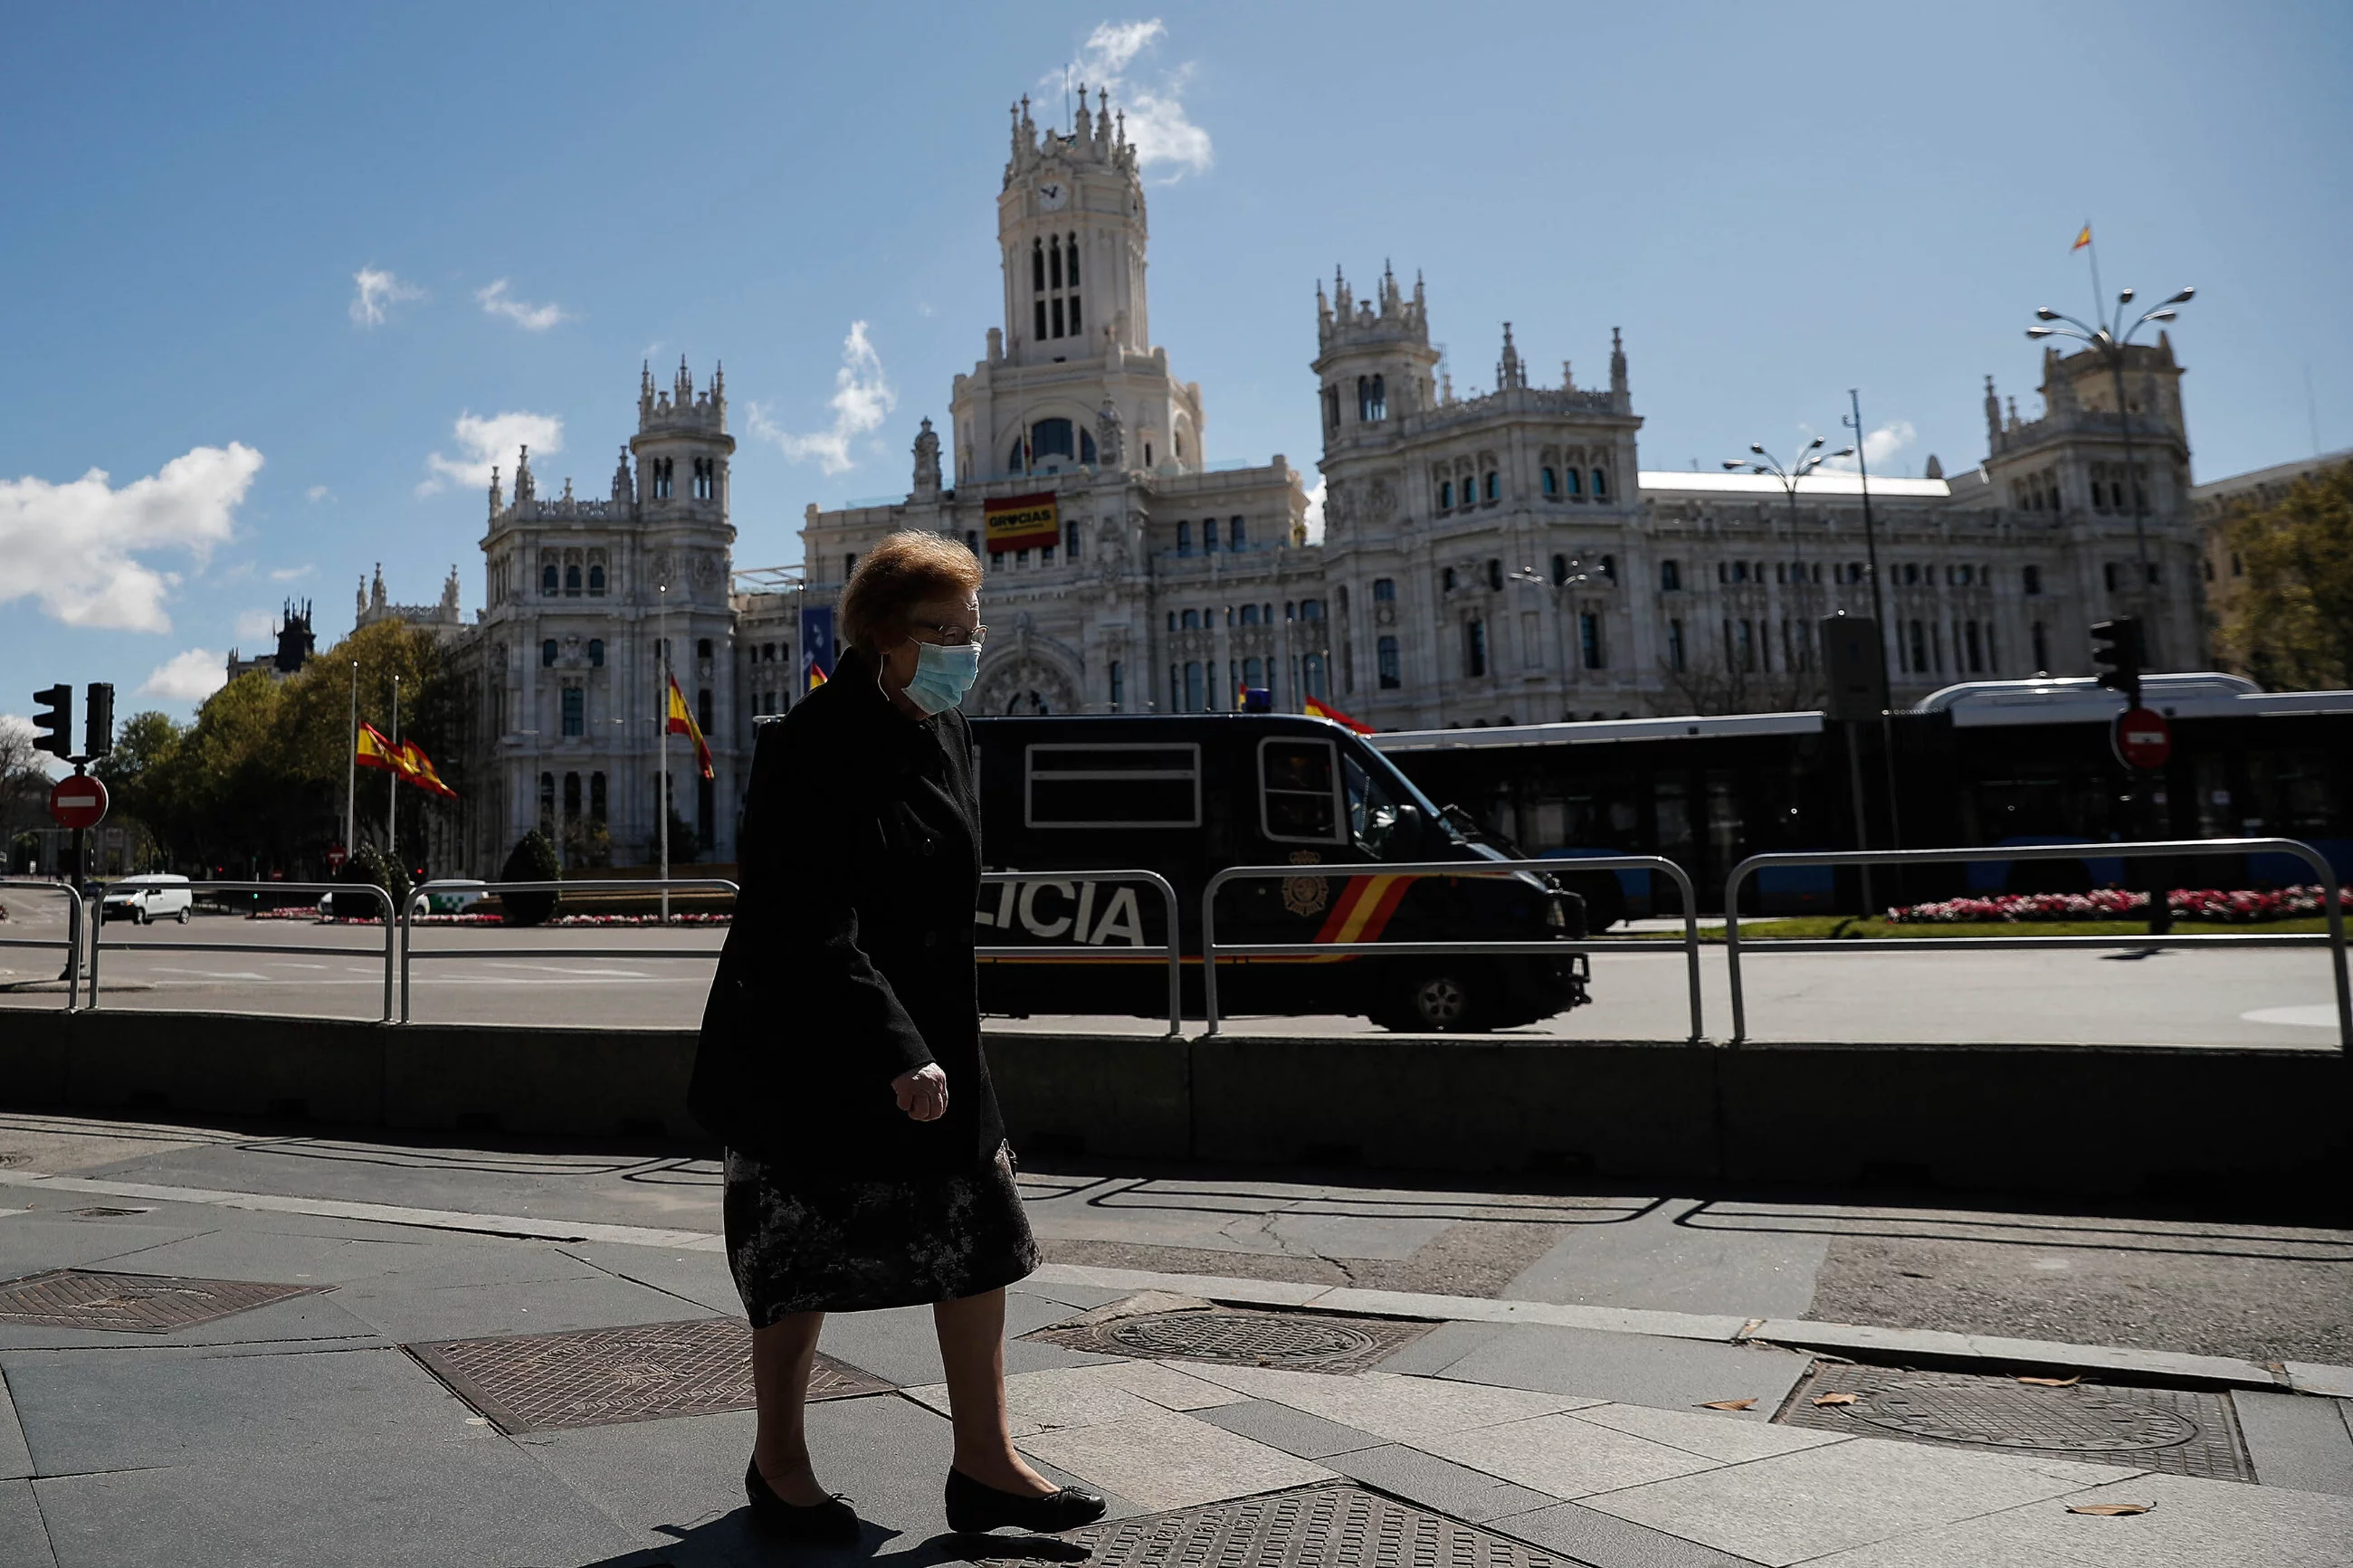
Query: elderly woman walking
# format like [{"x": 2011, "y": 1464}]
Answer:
[{"x": 841, "y": 1059}]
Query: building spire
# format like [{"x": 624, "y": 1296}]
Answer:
[{"x": 1616, "y": 362}]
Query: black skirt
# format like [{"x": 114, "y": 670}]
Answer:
[{"x": 802, "y": 1244}]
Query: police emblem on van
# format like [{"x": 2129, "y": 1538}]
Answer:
[{"x": 1304, "y": 895}]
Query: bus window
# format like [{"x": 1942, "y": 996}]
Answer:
[
  {"x": 1114, "y": 786},
  {"x": 1372, "y": 814},
  {"x": 1297, "y": 801}
]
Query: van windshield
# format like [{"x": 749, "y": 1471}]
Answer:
[{"x": 1376, "y": 790}]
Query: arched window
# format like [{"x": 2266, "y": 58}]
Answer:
[
  {"x": 702, "y": 648},
  {"x": 1195, "y": 687},
  {"x": 1235, "y": 537},
  {"x": 1054, "y": 266},
  {"x": 1384, "y": 590},
  {"x": 595, "y": 581},
  {"x": 1208, "y": 535},
  {"x": 596, "y": 797},
  {"x": 1330, "y": 408},
  {"x": 1052, "y": 439},
  {"x": 1192, "y": 620},
  {"x": 1495, "y": 481},
  {"x": 1392, "y": 670},
  {"x": 548, "y": 654},
  {"x": 1184, "y": 542},
  {"x": 1380, "y": 397},
  {"x": 1072, "y": 269},
  {"x": 1559, "y": 570},
  {"x": 1038, "y": 267},
  {"x": 1086, "y": 446},
  {"x": 1494, "y": 573},
  {"x": 575, "y": 723},
  {"x": 1574, "y": 489},
  {"x": 572, "y": 582},
  {"x": 1600, "y": 485},
  {"x": 1249, "y": 615},
  {"x": 1446, "y": 495},
  {"x": 1475, "y": 648},
  {"x": 1446, "y": 580},
  {"x": 1671, "y": 577},
  {"x": 596, "y": 653},
  {"x": 1551, "y": 482},
  {"x": 547, "y": 584},
  {"x": 1364, "y": 398}
]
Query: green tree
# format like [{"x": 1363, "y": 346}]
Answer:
[
  {"x": 2290, "y": 625},
  {"x": 140, "y": 773},
  {"x": 532, "y": 860}
]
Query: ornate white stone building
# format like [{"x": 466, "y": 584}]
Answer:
[{"x": 1490, "y": 559}]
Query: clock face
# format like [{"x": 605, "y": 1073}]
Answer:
[{"x": 1052, "y": 195}]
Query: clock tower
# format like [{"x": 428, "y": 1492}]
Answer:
[{"x": 1074, "y": 362}]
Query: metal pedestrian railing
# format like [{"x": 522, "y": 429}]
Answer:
[
  {"x": 69, "y": 943},
  {"x": 2333, "y": 938},
  {"x": 1172, "y": 950},
  {"x": 409, "y": 950},
  {"x": 382, "y": 899},
  {"x": 1211, "y": 950}
]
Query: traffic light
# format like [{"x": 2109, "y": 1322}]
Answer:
[
  {"x": 2118, "y": 652},
  {"x": 54, "y": 721},
  {"x": 97, "y": 719}
]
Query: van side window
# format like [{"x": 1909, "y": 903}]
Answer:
[
  {"x": 1372, "y": 814},
  {"x": 1112, "y": 785},
  {"x": 1297, "y": 801}
]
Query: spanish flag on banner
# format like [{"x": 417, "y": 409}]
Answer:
[
  {"x": 417, "y": 769},
  {"x": 2082, "y": 240},
  {"x": 375, "y": 752},
  {"x": 1321, "y": 709},
  {"x": 681, "y": 722}
]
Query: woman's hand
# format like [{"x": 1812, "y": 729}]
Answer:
[{"x": 923, "y": 1093}]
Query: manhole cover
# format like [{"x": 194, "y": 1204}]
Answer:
[
  {"x": 1302, "y": 1341},
  {"x": 2180, "y": 1431},
  {"x": 596, "y": 1377},
  {"x": 1315, "y": 1527},
  {"x": 104, "y": 1212},
  {"x": 131, "y": 1303}
]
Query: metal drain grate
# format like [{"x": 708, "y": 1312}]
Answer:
[
  {"x": 1304, "y": 1342},
  {"x": 1315, "y": 1527},
  {"x": 131, "y": 1303},
  {"x": 2182, "y": 1432},
  {"x": 598, "y": 1377},
  {"x": 104, "y": 1212}
]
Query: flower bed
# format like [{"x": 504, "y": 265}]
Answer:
[
  {"x": 310, "y": 913},
  {"x": 2116, "y": 904}
]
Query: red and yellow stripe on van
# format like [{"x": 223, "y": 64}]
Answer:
[{"x": 1363, "y": 908}]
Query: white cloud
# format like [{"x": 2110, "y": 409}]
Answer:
[
  {"x": 1314, "y": 519},
  {"x": 531, "y": 318},
  {"x": 253, "y": 626},
  {"x": 318, "y": 493},
  {"x": 189, "y": 677},
  {"x": 491, "y": 443},
  {"x": 288, "y": 574},
  {"x": 1163, "y": 134},
  {"x": 1879, "y": 446},
  {"x": 75, "y": 547},
  {"x": 862, "y": 396},
  {"x": 376, "y": 293}
]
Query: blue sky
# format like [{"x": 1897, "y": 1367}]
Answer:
[{"x": 1774, "y": 203}]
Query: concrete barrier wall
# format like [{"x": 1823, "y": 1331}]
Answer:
[{"x": 2066, "y": 1118}]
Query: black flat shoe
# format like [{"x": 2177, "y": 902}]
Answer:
[
  {"x": 973, "y": 1509},
  {"x": 829, "y": 1523}
]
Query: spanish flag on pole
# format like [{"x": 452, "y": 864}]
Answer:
[
  {"x": 417, "y": 769},
  {"x": 681, "y": 722},
  {"x": 2082, "y": 240},
  {"x": 1317, "y": 709},
  {"x": 375, "y": 751}
]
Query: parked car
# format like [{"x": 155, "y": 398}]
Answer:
[{"x": 150, "y": 897}]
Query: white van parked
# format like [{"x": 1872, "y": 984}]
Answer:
[{"x": 149, "y": 898}]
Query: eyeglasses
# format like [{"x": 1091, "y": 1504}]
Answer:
[{"x": 950, "y": 635}]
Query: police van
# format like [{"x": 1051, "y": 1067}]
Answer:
[{"x": 1189, "y": 796}]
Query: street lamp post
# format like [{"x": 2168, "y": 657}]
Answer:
[
  {"x": 2109, "y": 339},
  {"x": 1575, "y": 574},
  {"x": 1853, "y": 421},
  {"x": 1761, "y": 461}
]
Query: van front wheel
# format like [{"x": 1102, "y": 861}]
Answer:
[{"x": 1446, "y": 1000}]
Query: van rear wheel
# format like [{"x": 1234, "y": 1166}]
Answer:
[{"x": 1447, "y": 1000}]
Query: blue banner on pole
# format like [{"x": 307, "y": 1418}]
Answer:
[{"x": 818, "y": 650}]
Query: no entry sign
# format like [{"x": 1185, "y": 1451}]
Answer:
[
  {"x": 2142, "y": 738},
  {"x": 78, "y": 802}
]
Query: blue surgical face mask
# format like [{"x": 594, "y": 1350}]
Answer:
[{"x": 942, "y": 675}]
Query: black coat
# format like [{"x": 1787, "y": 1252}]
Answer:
[{"x": 850, "y": 958}]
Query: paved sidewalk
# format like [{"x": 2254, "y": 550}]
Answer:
[{"x": 312, "y": 1428}]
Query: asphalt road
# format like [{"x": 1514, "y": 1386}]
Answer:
[
  {"x": 2264, "y": 997},
  {"x": 2213, "y": 1282}
]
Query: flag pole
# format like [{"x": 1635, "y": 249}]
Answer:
[
  {"x": 352, "y": 769},
  {"x": 392, "y": 790},
  {"x": 2099, "y": 300},
  {"x": 661, "y": 739}
]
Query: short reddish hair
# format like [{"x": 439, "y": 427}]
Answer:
[{"x": 903, "y": 570}]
